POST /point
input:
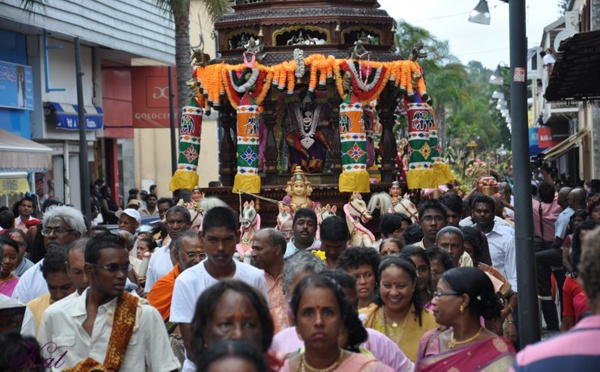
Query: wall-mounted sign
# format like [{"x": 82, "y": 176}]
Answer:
[{"x": 16, "y": 86}]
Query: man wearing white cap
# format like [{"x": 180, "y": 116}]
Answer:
[{"x": 129, "y": 220}]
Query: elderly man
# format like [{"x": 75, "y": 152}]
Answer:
[
  {"x": 75, "y": 265},
  {"x": 576, "y": 350},
  {"x": 62, "y": 225},
  {"x": 129, "y": 220},
  {"x": 59, "y": 284},
  {"x": 305, "y": 232},
  {"x": 188, "y": 253},
  {"x": 451, "y": 240},
  {"x": 178, "y": 220},
  {"x": 105, "y": 327},
  {"x": 268, "y": 248}
]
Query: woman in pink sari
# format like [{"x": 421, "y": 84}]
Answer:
[
  {"x": 462, "y": 296},
  {"x": 320, "y": 313},
  {"x": 9, "y": 251}
]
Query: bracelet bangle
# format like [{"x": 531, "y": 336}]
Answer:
[
  {"x": 510, "y": 308},
  {"x": 510, "y": 321}
]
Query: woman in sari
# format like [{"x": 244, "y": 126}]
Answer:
[
  {"x": 398, "y": 312},
  {"x": 322, "y": 315},
  {"x": 505, "y": 323},
  {"x": 9, "y": 251},
  {"x": 462, "y": 296}
]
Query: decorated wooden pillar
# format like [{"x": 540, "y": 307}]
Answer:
[
  {"x": 228, "y": 167},
  {"x": 336, "y": 151},
  {"x": 271, "y": 153},
  {"x": 388, "y": 148}
]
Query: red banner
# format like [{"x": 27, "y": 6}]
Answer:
[
  {"x": 150, "y": 90},
  {"x": 545, "y": 138}
]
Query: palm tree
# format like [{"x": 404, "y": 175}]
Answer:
[{"x": 180, "y": 11}]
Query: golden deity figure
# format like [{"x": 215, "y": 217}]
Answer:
[
  {"x": 395, "y": 193},
  {"x": 298, "y": 191}
]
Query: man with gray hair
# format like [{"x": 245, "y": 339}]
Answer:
[
  {"x": 268, "y": 247},
  {"x": 61, "y": 226},
  {"x": 451, "y": 240},
  {"x": 298, "y": 266}
]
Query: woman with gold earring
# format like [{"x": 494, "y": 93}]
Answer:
[
  {"x": 398, "y": 312},
  {"x": 464, "y": 295}
]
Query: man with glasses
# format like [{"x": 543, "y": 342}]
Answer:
[
  {"x": 187, "y": 253},
  {"x": 178, "y": 220},
  {"x": 106, "y": 327},
  {"x": 61, "y": 226}
]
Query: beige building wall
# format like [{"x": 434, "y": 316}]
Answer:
[{"x": 152, "y": 147}]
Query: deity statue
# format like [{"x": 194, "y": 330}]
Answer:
[
  {"x": 298, "y": 191},
  {"x": 308, "y": 143}
]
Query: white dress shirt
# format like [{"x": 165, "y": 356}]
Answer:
[
  {"x": 502, "y": 252},
  {"x": 160, "y": 265},
  {"x": 31, "y": 284},
  {"x": 192, "y": 282},
  {"x": 62, "y": 323}
]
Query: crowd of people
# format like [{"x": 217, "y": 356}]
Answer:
[{"x": 438, "y": 294}]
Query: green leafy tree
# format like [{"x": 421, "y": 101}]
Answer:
[{"x": 180, "y": 11}]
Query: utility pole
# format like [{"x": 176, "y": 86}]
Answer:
[{"x": 84, "y": 176}]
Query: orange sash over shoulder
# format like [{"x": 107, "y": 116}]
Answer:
[{"x": 122, "y": 330}]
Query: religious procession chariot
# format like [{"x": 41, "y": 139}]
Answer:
[{"x": 310, "y": 95}]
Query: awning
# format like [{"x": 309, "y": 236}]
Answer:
[
  {"x": 13, "y": 182},
  {"x": 66, "y": 116},
  {"x": 20, "y": 154},
  {"x": 576, "y": 75},
  {"x": 564, "y": 146}
]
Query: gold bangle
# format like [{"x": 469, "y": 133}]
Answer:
[{"x": 510, "y": 308}]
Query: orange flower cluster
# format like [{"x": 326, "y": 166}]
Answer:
[{"x": 216, "y": 80}]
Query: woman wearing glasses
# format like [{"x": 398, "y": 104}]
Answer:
[
  {"x": 398, "y": 312},
  {"x": 462, "y": 296}
]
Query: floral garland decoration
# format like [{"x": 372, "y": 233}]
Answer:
[
  {"x": 365, "y": 92},
  {"x": 232, "y": 78}
]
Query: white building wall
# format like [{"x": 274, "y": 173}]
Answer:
[{"x": 138, "y": 27}]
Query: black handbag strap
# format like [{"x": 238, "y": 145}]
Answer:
[{"x": 541, "y": 222}]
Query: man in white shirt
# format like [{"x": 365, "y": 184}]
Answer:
[
  {"x": 106, "y": 327},
  {"x": 62, "y": 225},
  {"x": 500, "y": 238},
  {"x": 305, "y": 232},
  {"x": 177, "y": 220},
  {"x": 219, "y": 237}
]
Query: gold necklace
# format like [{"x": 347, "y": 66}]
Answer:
[
  {"x": 304, "y": 364},
  {"x": 394, "y": 325},
  {"x": 452, "y": 343}
]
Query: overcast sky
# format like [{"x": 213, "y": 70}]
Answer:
[{"x": 448, "y": 20}]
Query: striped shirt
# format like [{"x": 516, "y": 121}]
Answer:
[{"x": 576, "y": 350}]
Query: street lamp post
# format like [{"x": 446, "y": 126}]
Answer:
[
  {"x": 529, "y": 318},
  {"x": 528, "y": 313}
]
